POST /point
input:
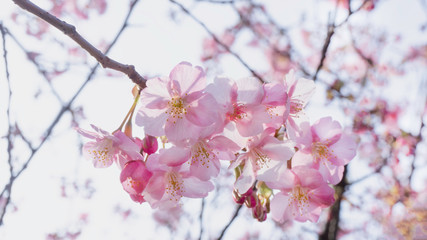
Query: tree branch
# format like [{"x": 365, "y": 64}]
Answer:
[
  {"x": 216, "y": 39},
  {"x": 230, "y": 222},
  {"x": 332, "y": 226},
  {"x": 7, "y": 188},
  {"x": 71, "y": 31},
  {"x": 66, "y": 107}
]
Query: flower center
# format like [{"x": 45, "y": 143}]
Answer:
[
  {"x": 261, "y": 159},
  {"x": 295, "y": 107},
  {"x": 238, "y": 112},
  {"x": 301, "y": 198},
  {"x": 321, "y": 151},
  {"x": 201, "y": 154},
  {"x": 102, "y": 153},
  {"x": 176, "y": 109},
  {"x": 174, "y": 186}
]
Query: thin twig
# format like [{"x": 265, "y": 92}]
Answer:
[
  {"x": 64, "y": 109},
  {"x": 9, "y": 130},
  {"x": 216, "y": 39},
  {"x": 37, "y": 65},
  {"x": 331, "y": 31},
  {"x": 332, "y": 226},
  {"x": 201, "y": 218},
  {"x": 71, "y": 31},
  {"x": 230, "y": 222}
]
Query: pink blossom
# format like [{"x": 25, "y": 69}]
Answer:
[
  {"x": 325, "y": 147},
  {"x": 303, "y": 194},
  {"x": 134, "y": 178},
  {"x": 206, "y": 153},
  {"x": 177, "y": 106},
  {"x": 263, "y": 152},
  {"x": 211, "y": 48},
  {"x": 108, "y": 148},
  {"x": 299, "y": 92},
  {"x": 275, "y": 101},
  {"x": 149, "y": 144},
  {"x": 240, "y": 101},
  {"x": 172, "y": 179}
]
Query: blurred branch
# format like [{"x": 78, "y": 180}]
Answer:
[
  {"x": 201, "y": 218},
  {"x": 65, "y": 108},
  {"x": 216, "y": 39},
  {"x": 230, "y": 222},
  {"x": 332, "y": 226},
  {"x": 330, "y": 33},
  {"x": 71, "y": 31},
  {"x": 7, "y": 188},
  {"x": 331, "y": 30},
  {"x": 38, "y": 66}
]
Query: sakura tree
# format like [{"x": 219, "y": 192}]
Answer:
[{"x": 211, "y": 119}]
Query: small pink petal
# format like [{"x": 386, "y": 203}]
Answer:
[
  {"x": 196, "y": 188},
  {"x": 189, "y": 78},
  {"x": 174, "y": 156}
]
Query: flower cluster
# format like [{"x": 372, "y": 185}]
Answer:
[{"x": 283, "y": 164}]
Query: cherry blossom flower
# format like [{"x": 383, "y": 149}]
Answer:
[
  {"x": 108, "y": 148},
  {"x": 303, "y": 194},
  {"x": 206, "y": 153},
  {"x": 177, "y": 106},
  {"x": 262, "y": 153},
  {"x": 172, "y": 179},
  {"x": 299, "y": 92},
  {"x": 134, "y": 178},
  {"x": 275, "y": 101},
  {"x": 325, "y": 147},
  {"x": 149, "y": 144},
  {"x": 240, "y": 101}
]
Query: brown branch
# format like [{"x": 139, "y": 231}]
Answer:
[
  {"x": 71, "y": 31},
  {"x": 331, "y": 31},
  {"x": 230, "y": 222},
  {"x": 65, "y": 108},
  {"x": 216, "y": 39},
  {"x": 201, "y": 218},
  {"x": 38, "y": 66},
  {"x": 332, "y": 226},
  {"x": 7, "y": 189}
]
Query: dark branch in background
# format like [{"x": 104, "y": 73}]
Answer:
[
  {"x": 332, "y": 226},
  {"x": 38, "y": 66},
  {"x": 230, "y": 222},
  {"x": 216, "y": 39},
  {"x": 9, "y": 130},
  {"x": 331, "y": 30},
  {"x": 70, "y": 31},
  {"x": 65, "y": 108},
  {"x": 201, "y": 218}
]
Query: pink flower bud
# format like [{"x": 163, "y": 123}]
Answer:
[
  {"x": 134, "y": 179},
  {"x": 239, "y": 199},
  {"x": 251, "y": 201},
  {"x": 259, "y": 213},
  {"x": 149, "y": 144}
]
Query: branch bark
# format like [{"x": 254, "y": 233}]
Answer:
[
  {"x": 71, "y": 32},
  {"x": 332, "y": 226}
]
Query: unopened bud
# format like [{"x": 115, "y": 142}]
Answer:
[
  {"x": 149, "y": 144},
  {"x": 251, "y": 201},
  {"x": 259, "y": 213},
  {"x": 239, "y": 199}
]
